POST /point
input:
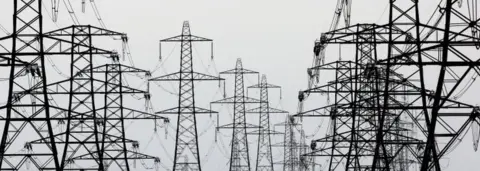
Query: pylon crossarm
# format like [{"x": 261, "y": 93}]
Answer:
[
  {"x": 181, "y": 38},
  {"x": 79, "y": 30},
  {"x": 232, "y": 100},
  {"x": 132, "y": 114},
  {"x": 268, "y": 110},
  {"x": 264, "y": 86},
  {"x": 186, "y": 110},
  {"x": 243, "y": 126},
  {"x": 54, "y": 88},
  {"x": 195, "y": 77},
  {"x": 122, "y": 68},
  {"x": 349, "y": 34},
  {"x": 268, "y": 132},
  {"x": 239, "y": 71}
]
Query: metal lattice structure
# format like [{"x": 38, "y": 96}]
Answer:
[
  {"x": 382, "y": 99},
  {"x": 239, "y": 159},
  {"x": 187, "y": 155},
  {"x": 82, "y": 140},
  {"x": 264, "y": 150},
  {"x": 29, "y": 114}
]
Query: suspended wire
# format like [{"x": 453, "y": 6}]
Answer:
[
  {"x": 50, "y": 61},
  {"x": 4, "y": 30},
  {"x": 160, "y": 65},
  {"x": 207, "y": 156},
  {"x": 164, "y": 89},
  {"x": 125, "y": 80},
  {"x": 96, "y": 11},
  {"x": 71, "y": 12},
  {"x": 224, "y": 152},
  {"x": 57, "y": 70}
]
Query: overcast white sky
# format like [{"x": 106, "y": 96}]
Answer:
[{"x": 274, "y": 37}]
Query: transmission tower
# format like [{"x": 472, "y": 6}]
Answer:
[
  {"x": 239, "y": 159},
  {"x": 116, "y": 113},
  {"x": 290, "y": 145},
  {"x": 380, "y": 102},
  {"x": 32, "y": 114},
  {"x": 264, "y": 150},
  {"x": 187, "y": 155},
  {"x": 81, "y": 141}
]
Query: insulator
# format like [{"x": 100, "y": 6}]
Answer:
[
  {"x": 317, "y": 48},
  {"x": 166, "y": 120},
  {"x": 156, "y": 160},
  {"x": 147, "y": 96},
  {"x": 301, "y": 96},
  {"x": 148, "y": 74},
  {"x": 28, "y": 146},
  {"x": 292, "y": 120},
  {"x": 333, "y": 112},
  {"x": 310, "y": 73},
  {"x": 420, "y": 147},
  {"x": 135, "y": 144},
  {"x": 38, "y": 72},
  {"x": 313, "y": 145},
  {"x": 115, "y": 57},
  {"x": 32, "y": 71},
  {"x": 124, "y": 38},
  {"x": 83, "y": 6},
  {"x": 409, "y": 37},
  {"x": 79, "y": 74},
  {"x": 70, "y": 161},
  {"x": 99, "y": 121}
]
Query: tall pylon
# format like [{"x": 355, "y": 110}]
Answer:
[
  {"x": 291, "y": 160},
  {"x": 239, "y": 159},
  {"x": 186, "y": 144},
  {"x": 32, "y": 114},
  {"x": 113, "y": 144},
  {"x": 264, "y": 150}
]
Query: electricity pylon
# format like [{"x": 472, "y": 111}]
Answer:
[
  {"x": 32, "y": 114},
  {"x": 380, "y": 102},
  {"x": 264, "y": 150},
  {"x": 187, "y": 155},
  {"x": 115, "y": 113},
  {"x": 239, "y": 159}
]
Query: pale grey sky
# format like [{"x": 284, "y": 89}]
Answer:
[{"x": 272, "y": 37}]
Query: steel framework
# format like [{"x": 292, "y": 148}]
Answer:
[
  {"x": 33, "y": 114},
  {"x": 187, "y": 155},
  {"x": 29, "y": 108},
  {"x": 264, "y": 150},
  {"x": 381, "y": 99},
  {"x": 239, "y": 159}
]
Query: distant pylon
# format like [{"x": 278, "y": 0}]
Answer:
[
  {"x": 240, "y": 159},
  {"x": 186, "y": 145},
  {"x": 264, "y": 150}
]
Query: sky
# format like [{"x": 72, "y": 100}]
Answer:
[{"x": 272, "y": 37}]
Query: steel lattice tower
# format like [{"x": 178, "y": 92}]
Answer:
[
  {"x": 82, "y": 134},
  {"x": 239, "y": 159},
  {"x": 390, "y": 96},
  {"x": 290, "y": 155},
  {"x": 84, "y": 121},
  {"x": 291, "y": 146},
  {"x": 32, "y": 113},
  {"x": 187, "y": 155},
  {"x": 264, "y": 150},
  {"x": 114, "y": 144}
]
